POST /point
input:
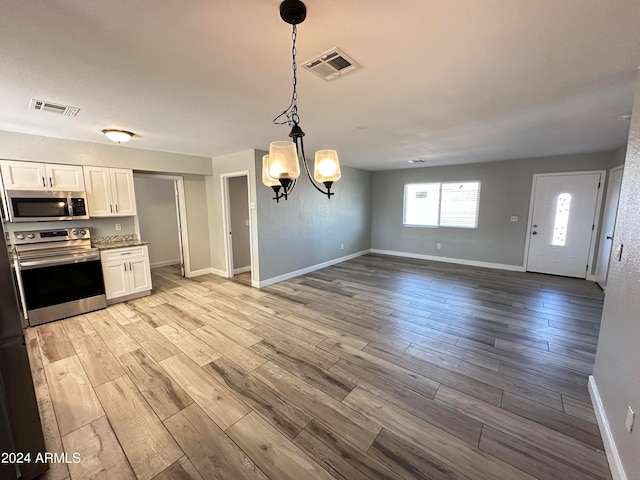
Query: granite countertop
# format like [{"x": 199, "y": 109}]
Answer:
[{"x": 117, "y": 241}]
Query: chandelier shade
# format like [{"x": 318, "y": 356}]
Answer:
[
  {"x": 267, "y": 179},
  {"x": 326, "y": 166},
  {"x": 283, "y": 160}
]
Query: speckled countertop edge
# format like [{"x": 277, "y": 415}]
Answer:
[{"x": 117, "y": 241}]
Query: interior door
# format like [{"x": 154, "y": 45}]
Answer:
[
  {"x": 608, "y": 223},
  {"x": 562, "y": 223}
]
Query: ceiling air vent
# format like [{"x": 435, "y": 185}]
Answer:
[
  {"x": 332, "y": 64},
  {"x": 53, "y": 107}
]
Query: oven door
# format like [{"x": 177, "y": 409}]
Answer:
[{"x": 62, "y": 286}]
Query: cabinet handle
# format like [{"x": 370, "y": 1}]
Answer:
[
  {"x": 44, "y": 182},
  {"x": 125, "y": 266},
  {"x": 110, "y": 208},
  {"x": 126, "y": 253},
  {"x": 50, "y": 182},
  {"x": 116, "y": 208},
  {"x": 130, "y": 269}
]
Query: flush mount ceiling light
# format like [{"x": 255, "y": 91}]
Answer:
[
  {"x": 118, "y": 136},
  {"x": 281, "y": 169}
]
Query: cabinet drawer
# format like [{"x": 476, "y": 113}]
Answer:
[{"x": 123, "y": 253}]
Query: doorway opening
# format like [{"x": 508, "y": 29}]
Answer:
[
  {"x": 237, "y": 224},
  {"x": 162, "y": 219},
  {"x": 614, "y": 185}
]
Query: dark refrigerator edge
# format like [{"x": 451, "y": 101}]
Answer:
[{"x": 20, "y": 426}]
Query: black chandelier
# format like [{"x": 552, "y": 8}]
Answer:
[{"x": 280, "y": 168}]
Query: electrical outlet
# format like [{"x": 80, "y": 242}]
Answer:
[
  {"x": 438, "y": 246},
  {"x": 342, "y": 246},
  {"x": 631, "y": 416},
  {"x": 514, "y": 218},
  {"x": 118, "y": 226}
]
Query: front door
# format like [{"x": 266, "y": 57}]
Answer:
[{"x": 562, "y": 223}]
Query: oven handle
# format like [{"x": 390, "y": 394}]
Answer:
[{"x": 61, "y": 260}]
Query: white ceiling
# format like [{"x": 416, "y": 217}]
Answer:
[{"x": 448, "y": 81}]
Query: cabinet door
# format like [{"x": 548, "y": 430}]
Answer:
[
  {"x": 23, "y": 175},
  {"x": 98, "y": 184},
  {"x": 124, "y": 199},
  {"x": 140, "y": 274},
  {"x": 116, "y": 282},
  {"x": 64, "y": 177}
]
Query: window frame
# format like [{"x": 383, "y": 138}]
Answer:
[{"x": 440, "y": 184}]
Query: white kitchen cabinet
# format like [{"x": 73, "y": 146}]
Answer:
[
  {"x": 110, "y": 192},
  {"x": 127, "y": 273},
  {"x": 42, "y": 176}
]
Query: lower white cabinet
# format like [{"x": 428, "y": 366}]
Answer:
[{"x": 127, "y": 273}]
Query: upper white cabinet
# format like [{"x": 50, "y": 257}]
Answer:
[
  {"x": 41, "y": 176},
  {"x": 110, "y": 192}
]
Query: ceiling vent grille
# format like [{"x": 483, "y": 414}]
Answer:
[
  {"x": 53, "y": 107},
  {"x": 332, "y": 64}
]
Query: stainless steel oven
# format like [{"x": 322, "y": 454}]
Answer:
[
  {"x": 60, "y": 274},
  {"x": 41, "y": 206}
]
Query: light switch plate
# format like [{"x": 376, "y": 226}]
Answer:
[{"x": 514, "y": 218}]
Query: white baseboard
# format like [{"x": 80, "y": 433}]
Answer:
[
  {"x": 615, "y": 464},
  {"x": 237, "y": 271},
  {"x": 166, "y": 263},
  {"x": 197, "y": 273},
  {"x": 459, "y": 261},
  {"x": 220, "y": 273},
  {"x": 287, "y": 276}
]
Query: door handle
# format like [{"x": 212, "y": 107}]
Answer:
[
  {"x": 534, "y": 233},
  {"x": 609, "y": 238}
]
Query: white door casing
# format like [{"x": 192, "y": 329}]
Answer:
[
  {"x": 608, "y": 223},
  {"x": 562, "y": 223}
]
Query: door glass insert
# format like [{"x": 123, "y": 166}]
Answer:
[{"x": 562, "y": 220}]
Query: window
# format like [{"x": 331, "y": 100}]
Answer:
[
  {"x": 450, "y": 204},
  {"x": 563, "y": 206}
]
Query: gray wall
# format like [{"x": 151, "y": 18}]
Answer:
[
  {"x": 20, "y": 146},
  {"x": 505, "y": 192},
  {"x": 308, "y": 229},
  {"x": 617, "y": 366},
  {"x": 157, "y": 217},
  {"x": 239, "y": 212},
  {"x": 195, "y": 196}
]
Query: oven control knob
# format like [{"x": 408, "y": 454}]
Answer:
[
  {"x": 20, "y": 236},
  {"x": 83, "y": 232},
  {"x": 31, "y": 236},
  {"x": 74, "y": 231}
]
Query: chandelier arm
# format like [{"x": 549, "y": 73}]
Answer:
[{"x": 306, "y": 167}]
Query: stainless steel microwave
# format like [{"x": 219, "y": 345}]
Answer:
[{"x": 46, "y": 206}]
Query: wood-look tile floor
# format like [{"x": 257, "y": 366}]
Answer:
[{"x": 376, "y": 368}]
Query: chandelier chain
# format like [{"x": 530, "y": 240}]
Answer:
[{"x": 291, "y": 112}]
